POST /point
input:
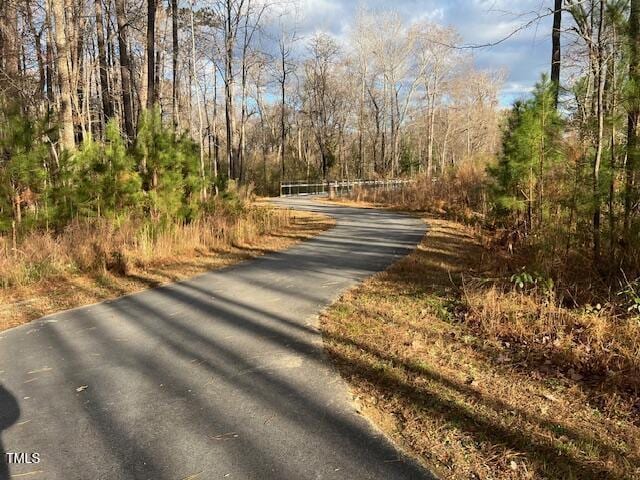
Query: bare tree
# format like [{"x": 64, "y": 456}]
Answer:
[
  {"x": 105, "y": 93},
  {"x": 286, "y": 68},
  {"x": 10, "y": 48},
  {"x": 321, "y": 96},
  {"x": 175, "y": 45},
  {"x": 151, "y": 53},
  {"x": 437, "y": 59},
  {"x": 198, "y": 103},
  {"x": 232, "y": 13}
]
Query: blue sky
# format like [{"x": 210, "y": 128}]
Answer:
[{"x": 524, "y": 56}]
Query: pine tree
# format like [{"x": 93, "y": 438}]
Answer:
[
  {"x": 530, "y": 147},
  {"x": 172, "y": 167},
  {"x": 22, "y": 159},
  {"x": 108, "y": 183}
]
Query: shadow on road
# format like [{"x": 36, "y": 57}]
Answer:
[
  {"x": 214, "y": 375},
  {"x": 9, "y": 414}
]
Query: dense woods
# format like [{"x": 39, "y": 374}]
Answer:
[
  {"x": 120, "y": 108},
  {"x": 567, "y": 171},
  {"x": 106, "y": 109}
]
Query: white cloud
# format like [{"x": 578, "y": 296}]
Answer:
[
  {"x": 514, "y": 88},
  {"x": 524, "y": 55}
]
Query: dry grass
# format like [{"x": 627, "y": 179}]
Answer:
[
  {"x": 460, "y": 194},
  {"x": 94, "y": 261},
  {"x": 482, "y": 382},
  {"x": 595, "y": 345}
]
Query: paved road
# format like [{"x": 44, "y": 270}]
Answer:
[{"x": 222, "y": 376}]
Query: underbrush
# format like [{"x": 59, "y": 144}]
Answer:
[
  {"x": 592, "y": 345},
  {"x": 555, "y": 253},
  {"x": 95, "y": 260},
  {"x": 122, "y": 244},
  {"x": 574, "y": 321},
  {"x": 460, "y": 196}
]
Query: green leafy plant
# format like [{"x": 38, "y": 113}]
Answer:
[
  {"x": 631, "y": 295},
  {"x": 524, "y": 280},
  {"x": 169, "y": 167},
  {"x": 106, "y": 176},
  {"x": 23, "y": 154}
]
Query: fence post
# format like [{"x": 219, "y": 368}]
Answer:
[{"x": 332, "y": 190}]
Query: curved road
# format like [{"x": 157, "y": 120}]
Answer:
[{"x": 221, "y": 376}]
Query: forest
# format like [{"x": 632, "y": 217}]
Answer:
[
  {"x": 160, "y": 110},
  {"x": 115, "y": 109}
]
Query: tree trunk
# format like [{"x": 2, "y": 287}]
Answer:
[
  {"x": 432, "y": 124},
  {"x": 361, "y": 128},
  {"x": 10, "y": 47},
  {"x": 600, "y": 138},
  {"x": 159, "y": 73},
  {"x": 445, "y": 140},
  {"x": 37, "y": 36},
  {"x": 555, "y": 50},
  {"x": 282, "y": 113},
  {"x": 613, "y": 88},
  {"x": 200, "y": 120},
  {"x": 228, "y": 88},
  {"x": 216, "y": 139},
  {"x": 49, "y": 57},
  {"x": 633, "y": 115},
  {"x": 76, "y": 42},
  {"x": 107, "y": 105},
  {"x": 65, "y": 115},
  {"x": 243, "y": 105},
  {"x": 125, "y": 70},
  {"x": 151, "y": 53},
  {"x": 17, "y": 207},
  {"x": 175, "y": 55}
]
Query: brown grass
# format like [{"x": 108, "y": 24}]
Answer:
[
  {"x": 481, "y": 381},
  {"x": 99, "y": 260},
  {"x": 596, "y": 345},
  {"x": 460, "y": 194}
]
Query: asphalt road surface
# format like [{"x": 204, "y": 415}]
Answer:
[{"x": 221, "y": 376}]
